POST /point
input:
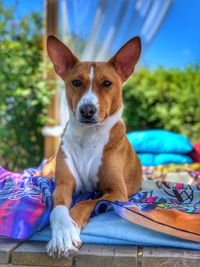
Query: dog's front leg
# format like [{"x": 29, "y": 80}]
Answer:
[
  {"x": 111, "y": 184},
  {"x": 65, "y": 233}
]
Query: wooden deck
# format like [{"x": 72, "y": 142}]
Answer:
[{"x": 34, "y": 254}]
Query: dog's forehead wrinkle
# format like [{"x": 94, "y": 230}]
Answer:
[{"x": 95, "y": 70}]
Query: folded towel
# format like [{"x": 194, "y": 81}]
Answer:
[{"x": 119, "y": 231}]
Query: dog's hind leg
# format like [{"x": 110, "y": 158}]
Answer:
[
  {"x": 82, "y": 211},
  {"x": 48, "y": 169}
]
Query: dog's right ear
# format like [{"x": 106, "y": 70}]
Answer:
[
  {"x": 126, "y": 58},
  {"x": 60, "y": 55}
]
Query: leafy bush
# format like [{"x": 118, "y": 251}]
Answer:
[
  {"x": 167, "y": 99},
  {"x": 24, "y": 95}
]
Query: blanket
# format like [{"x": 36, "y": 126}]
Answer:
[
  {"x": 25, "y": 203},
  {"x": 178, "y": 173},
  {"x": 171, "y": 208}
]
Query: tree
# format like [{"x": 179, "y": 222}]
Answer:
[{"x": 24, "y": 95}]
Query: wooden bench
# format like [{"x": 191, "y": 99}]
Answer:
[{"x": 33, "y": 254}]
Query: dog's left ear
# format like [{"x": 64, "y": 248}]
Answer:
[
  {"x": 60, "y": 55},
  {"x": 126, "y": 58}
]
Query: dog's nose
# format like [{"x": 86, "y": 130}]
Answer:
[{"x": 88, "y": 111}]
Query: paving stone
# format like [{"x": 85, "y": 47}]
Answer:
[
  {"x": 34, "y": 253},
  {"x": 94, "y": 255},
  {"x": 6, "y": 248},
  {"x": 165, "y": 257},
  {"x": 106, "y": 256},
  {"x": 125, "y": 256},
  {"x": 11, "y": 265}
]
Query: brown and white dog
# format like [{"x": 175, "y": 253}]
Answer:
[{"x": 94, "y": 153}]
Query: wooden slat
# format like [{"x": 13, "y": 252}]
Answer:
[
  {"x": 51, "y": 27},
  {"x": 166, "y": 257},
  {"x": 34, "y": 253},
  {"x": 6, "y": 248},
  {"x": 106, "y": 256}
]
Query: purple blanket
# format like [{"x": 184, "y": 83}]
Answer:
[{"x": 25, "y": 203}]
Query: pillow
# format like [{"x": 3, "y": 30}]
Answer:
[
  {"x": 149, "y": 159},
  {"x": 195, "y": 154},
  {"x": 159, "y": 141}
]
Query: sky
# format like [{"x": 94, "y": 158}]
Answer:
[
  {"x": 178, "y": 41},
  {"x": 176, "y": 44}
]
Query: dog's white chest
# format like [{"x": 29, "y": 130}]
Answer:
[{"x": 83, "y": 149}]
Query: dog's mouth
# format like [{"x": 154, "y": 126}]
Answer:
[{"x": 88, "y": 122}]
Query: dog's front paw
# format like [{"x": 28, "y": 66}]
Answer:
[
  {"x": 65, "y": 235},
  {"x": 63, "y": 244}
]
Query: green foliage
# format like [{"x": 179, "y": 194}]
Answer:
[
  {"x": 168, "y": 99},
  {"x": 24, "y": 95}
]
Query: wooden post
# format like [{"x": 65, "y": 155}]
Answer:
[{"x": 51, "y": 27}]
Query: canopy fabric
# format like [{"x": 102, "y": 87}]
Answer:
[{"x": 98, "y": 28}]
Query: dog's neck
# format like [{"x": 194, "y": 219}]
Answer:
[{"x": 79, "y": 131}]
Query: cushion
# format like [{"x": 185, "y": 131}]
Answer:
[
  {"x": 159, "y": 141},
  {"x": 150, "y": 159}
]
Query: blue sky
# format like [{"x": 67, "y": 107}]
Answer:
[
  {"x": 178, "y": 41},
  {"x": 176, "y": 44}
]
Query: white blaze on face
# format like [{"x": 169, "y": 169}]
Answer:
[
  {"x": 89, "y": 97},
  {"x": 91, "y": 77}
]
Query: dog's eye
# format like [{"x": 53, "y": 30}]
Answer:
[
  {"x": 106, "y": 83},
  {"x": 76, "y": 83}
]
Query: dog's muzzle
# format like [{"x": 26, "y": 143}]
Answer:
[{"x": 88, "y": 114}]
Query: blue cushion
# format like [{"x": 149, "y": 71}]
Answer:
[
  {"x": 150, "y": 159},
  {"x": 159, "y": 141}
]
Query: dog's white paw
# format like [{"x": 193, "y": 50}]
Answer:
[
  {"x": 65, "y": 235},
  {"x": 63, "y": 244}
]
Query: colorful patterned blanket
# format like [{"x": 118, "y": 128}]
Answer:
[
  {"x": 171, "y": 208},
  {"x": 25, "y": 203},
  {"x": 178, "y": 173}
]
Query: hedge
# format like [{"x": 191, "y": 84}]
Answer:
[
  {"x": 24, "y": 95},
  {"x": 164, "y": 99}
]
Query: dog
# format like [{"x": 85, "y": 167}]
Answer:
[{"x": 94, "y": 152}]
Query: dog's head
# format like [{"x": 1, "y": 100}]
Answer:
[{"x": 93, "y": 89}]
